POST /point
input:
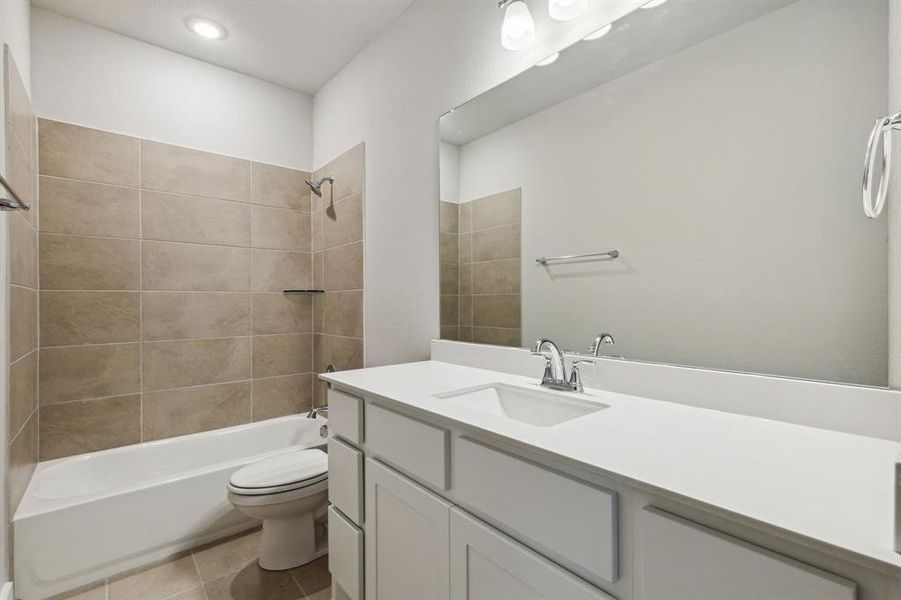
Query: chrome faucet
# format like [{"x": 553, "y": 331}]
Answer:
[
  {"x": 554, "y": 369},
  {"x": 603, "y": 339},
  {"x": 314, "y": 412}
]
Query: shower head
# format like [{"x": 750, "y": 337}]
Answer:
[{"x": 317, "y": 186}]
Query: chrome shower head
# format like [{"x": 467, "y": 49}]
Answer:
[{"x": 317, "y": 186}]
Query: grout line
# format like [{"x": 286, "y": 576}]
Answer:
[
  {"x": 141, "y": 297},
  {"x": 250, "y": 299}
]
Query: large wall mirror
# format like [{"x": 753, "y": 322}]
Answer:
[{"x": 717, "y": 148}]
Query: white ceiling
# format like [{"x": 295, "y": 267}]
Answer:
[{"x": 298, "y": 44}]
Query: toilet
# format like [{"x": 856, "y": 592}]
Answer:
[{"x": 287, "y": 492}]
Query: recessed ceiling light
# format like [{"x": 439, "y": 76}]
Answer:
[
  {"x": 206, "y": 28},
  {"x": 549, "y": 60},
  {"x": 599, "y": 33},
  {"x": 653, "y": 4}
]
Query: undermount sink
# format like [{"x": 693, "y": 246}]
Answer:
[{"x": 536, "y": 407}]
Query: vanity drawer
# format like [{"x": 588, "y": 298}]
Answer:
[
  {"x": 345, "y": 416},
  {"x": 681, "y": 559},
  {"x": 345, "y": 479},
  {"x": 345, "y": 553},
  {"x": 572, "y": 522},
  {"x": 410, "y": 445}
]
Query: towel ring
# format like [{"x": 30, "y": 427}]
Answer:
[{"x": 872, "y": 208}]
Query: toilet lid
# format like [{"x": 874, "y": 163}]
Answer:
[{"x": 282, "y": 470}]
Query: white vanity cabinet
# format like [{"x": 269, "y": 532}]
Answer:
[
  {"x": 407, "y": 531},
  {"x": 487, "y": 565}
]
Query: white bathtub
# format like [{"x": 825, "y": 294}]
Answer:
[{"x": 87, "y": 517}]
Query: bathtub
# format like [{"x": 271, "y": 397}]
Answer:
[{"x": 87, "y": 517}]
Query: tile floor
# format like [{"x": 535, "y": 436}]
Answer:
[{"x": 225, "y": 570}]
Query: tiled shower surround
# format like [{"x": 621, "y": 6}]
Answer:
[
  {"x": 480, "y": 269},
  {"x": 21, "y": 142},
  {"x": 161, "y": 277}
]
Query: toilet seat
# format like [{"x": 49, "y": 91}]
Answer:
[{"x": 282, "y": 473}]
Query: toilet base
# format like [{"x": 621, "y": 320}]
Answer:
[{"x": 288, "y": 542}]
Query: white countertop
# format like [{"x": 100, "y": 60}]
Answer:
[{"x": 816, "y": 485}]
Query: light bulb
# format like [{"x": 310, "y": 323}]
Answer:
[
  {"x": 206, "y": 28},
  {"x": 595, "y": 35},
  {"x": 653, "y": 4},
  {"x": 549, "y": 60},
  {"x": 564, "y": 10},
  {"x": 518, "y": 29}
]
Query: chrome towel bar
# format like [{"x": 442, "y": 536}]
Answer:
[
  {"x": 872, "y": 207},
  {"x": 15, "y": 203},
  {"x": 609, "y": 255}
]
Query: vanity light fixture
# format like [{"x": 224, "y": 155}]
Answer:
[
  {"x": 549, "y": 60},
  {"x": 564, "y": 10},
  {"x": 598, "y": 34},
  {"x": 653, "y": 4},
  {"x": 518, "y": 29},
  {"x": 206, "y": 28}
]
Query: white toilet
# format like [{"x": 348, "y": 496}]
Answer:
[{"x": 285, "y": 491}]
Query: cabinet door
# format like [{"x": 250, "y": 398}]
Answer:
[
  {"x": 681, "y": 560},
  {"x": 407, "y": 538},
  {"x": 488, "y": 565}
]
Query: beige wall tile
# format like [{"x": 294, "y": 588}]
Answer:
[
  {"x": 69, "y": 318},
  {"x": 21, "y": 175},
  {"x": 23, "y": 249},
  {"x": 464, "y": 249},
  {"x": 89, "y": 263},
  {"x": 449, "y": 332},
  {"x": 318, "y": 270},
  {"x": 88, "y": 154},
  {"x": 448, "y": 248},
  {"x": 189, "y": 410},
  {"x": 497, "y": 209},
  {"x": 348, "y": 171},
  {"x": 318, "y": 301},
  {"x": 22, "y": 321},
  {"x": 83, "y": 208},
  {"x": 156, "y": 583},
  {"x": 278, "y": 186},
  {"x": 274, "y": 270},
  {"x": 192, "y": 315},
  {"x": 342, "y": 222},
  {"x": 177, "y": 266},
  {"x": 282, "y": 313},
  {"x": 448, "y": 217},
  {"x": 496, "y": 311},
  {"x": 496, "y": 277},
  {"x": 342, "y": 313},
  {"x": 282, "y": 396},
  {"x": 496, "y": 244},
  {"x": 449, "y": 279},
  {"x": 497, "y": 336},
  {"x": 344, "y": 353},
  {"x": 450, "y": 314},
  {"x": 464, "y": 216},
  {"x": 85, "y": 372},
  {"x": 317, "y": 241},
  {"x": 23, "y": 397},
  {"x": 283, "y": 354},
  {"x": 343, "y": 267},
  {"x": 181, "y": 170},
  {"x": 85, "y": 426},
  {"x": 464, "y": 279},
  {"x": 178, "y": 218},
  {"x": 222, "y": 558},
  {"x": 281, "y": 229},
  {"x": 183, "y": 363},
  {"x": 23, "y": 458},
  {"x": 465, "y": 311},
  {"x": 465, "y": 334},
  {"x": 21, "y": 116}
]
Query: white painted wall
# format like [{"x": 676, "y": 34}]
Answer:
[
  {"x": 92, "y": 77},
  {"x": 449, "y": 160},
  {"x": 743, "y": 243},
  {"x": 15, "y": 32},
  {"x": 435, "y": 56}
]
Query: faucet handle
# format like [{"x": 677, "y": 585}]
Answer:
[{"x": 575, "y": 375}]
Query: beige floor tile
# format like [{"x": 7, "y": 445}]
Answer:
[
  {"x": 254, "y": 583},
  {"x": 314, "y": 577},
  {"x": 229, "y": 556},
  {"x": 98, "y": 592},
  {"x": 197, "y": 593},
  {"x": 158, "y": 582}
]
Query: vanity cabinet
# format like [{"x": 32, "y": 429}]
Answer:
[
  {"x": 487, "y": 565},
  {"x": 407, "y": 538}
]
